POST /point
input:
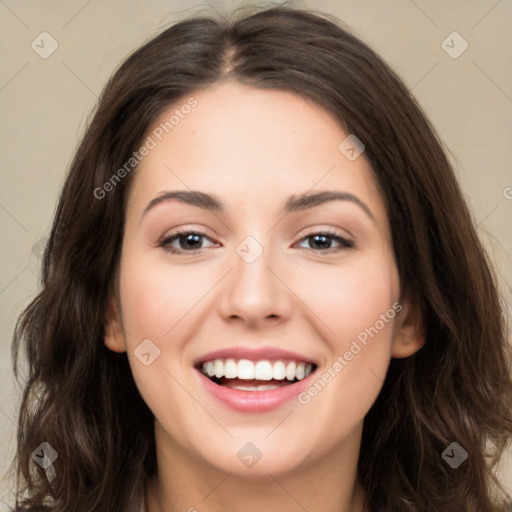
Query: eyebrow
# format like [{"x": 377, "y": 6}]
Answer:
[{"x": 294, "y": 203}]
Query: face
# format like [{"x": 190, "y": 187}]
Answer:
[{"x": 260, "y": 283}]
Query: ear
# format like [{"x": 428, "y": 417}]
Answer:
[
  {"x": 409, "y": 331},
  {"x": 114, "y": 334}
]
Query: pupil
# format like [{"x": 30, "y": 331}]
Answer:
[
  {"x": 185, "y": 239},
  {"x": 326, "y": 241}
]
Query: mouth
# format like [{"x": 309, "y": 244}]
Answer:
[
  {"x": 254, "y": 380},
  {"x": 254, "y": 376}
]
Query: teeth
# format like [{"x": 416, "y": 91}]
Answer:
[
  {"x": 210, "y": 368},
  {"x": 263, "y": 371},
  {"x": 279, "y": 370},
  {"x": 290, "y": 371},
  {"x": 245, "y": 369},
  {"x": 230, "y": 369},
  {"x": 219, "y": 368},
  {"x": 261, "y": 387},
  {"x": 257, "y": 370}
]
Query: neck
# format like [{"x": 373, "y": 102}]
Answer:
[{"x": 187, "y": 484}]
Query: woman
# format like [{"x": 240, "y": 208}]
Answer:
[{"x": 262, "y": 291}]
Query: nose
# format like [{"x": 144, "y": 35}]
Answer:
[{"x": 256, "y": 292}]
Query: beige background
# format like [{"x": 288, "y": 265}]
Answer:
[{"x": 45, "y": 104}]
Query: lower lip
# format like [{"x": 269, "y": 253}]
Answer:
[{"x": 254, "y": 401}]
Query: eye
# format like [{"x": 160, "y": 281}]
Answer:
[
  {"x": 187, "y": 241},
  {"x": 191, "y": 242},
  {"x": 322, "y": 242}
]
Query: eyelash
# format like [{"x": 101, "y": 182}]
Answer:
[{"x": 344, "y": 243}]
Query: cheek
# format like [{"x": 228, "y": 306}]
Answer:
[
  {"x": 359, "y": 309},
  {"x": 156, "y": 295},
  {"x": 354, "y": 299},
  {"x": 156, "y": 303},
  {"x": 160, "y": 303}
]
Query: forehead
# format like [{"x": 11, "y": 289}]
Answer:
[{"x": 254, "y": 145}]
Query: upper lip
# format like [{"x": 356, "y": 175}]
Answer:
[{"x": 253, "y": 354}]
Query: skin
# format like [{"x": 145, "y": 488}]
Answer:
[{"x": 252, "y": 149}]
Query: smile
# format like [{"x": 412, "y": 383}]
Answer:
[
  {"x": 247, "y": 375},
  {"x": 254, "y": 380}
]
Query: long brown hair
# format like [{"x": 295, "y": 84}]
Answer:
[{"x": 81, "y": 398}]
